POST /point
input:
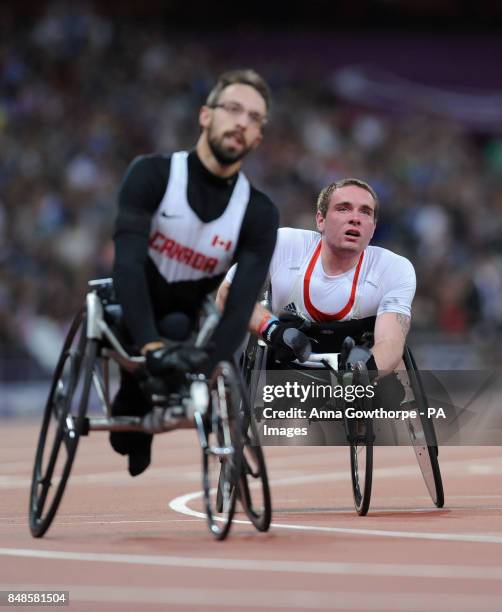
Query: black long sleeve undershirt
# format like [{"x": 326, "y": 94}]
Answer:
[{"x": 144, "y": 294}]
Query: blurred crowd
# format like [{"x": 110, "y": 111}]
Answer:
[{"x": 81, "y": 95}]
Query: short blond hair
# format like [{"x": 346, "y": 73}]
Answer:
[{"x": 326, "y": 193}]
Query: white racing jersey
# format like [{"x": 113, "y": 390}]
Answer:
[
  {"x": 381, "y": 281},
  {"x": 183, "y": 247}
]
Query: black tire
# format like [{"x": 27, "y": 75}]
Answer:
[
  {"x": 423, "y": 436},
  {"x": 360, "y": 435},
  {"x": 62, "y": 424},
  {"x": 254, "y": 490},
  {"x": 419, "y": 392},
  {"x": 222, "y": 458}
]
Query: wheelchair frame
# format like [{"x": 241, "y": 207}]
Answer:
[
  {"x": 421, "y": 430},
  {"x": 211, "y": 405}
]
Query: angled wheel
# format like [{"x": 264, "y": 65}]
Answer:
[
  {"x": 423, "y": 436},
  {"x": 222, "y": 456},
  {"x": 254, "y": 490},
  {"x": 360, "y": 436},
  {"x": 61, "y": 426}
]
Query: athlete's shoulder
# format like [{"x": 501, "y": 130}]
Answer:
[
  {"x": 390, "y": 270},
  {"x": 295, "y": 244},
  {"x": 261, "y": 210},
  {"x": 153, "y": 167},
  {"x": 151, "y": 162},
  {"x": 293, "y": 235},
  {"x": 386, "y": 258},
  {"x": 145, "y": 182},
  {"x": 261, "y": 200}
]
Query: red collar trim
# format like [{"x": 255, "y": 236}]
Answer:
[{"x": 318, "y": 315}]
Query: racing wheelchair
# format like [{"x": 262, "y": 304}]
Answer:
[
  {"x": 359, "y": 433},
  {"x": 213, "y": 405}
]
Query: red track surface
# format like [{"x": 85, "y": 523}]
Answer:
[{"x": 117, "y": 545}]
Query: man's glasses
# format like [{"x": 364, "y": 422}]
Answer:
[{"x": 236, "y": 110}]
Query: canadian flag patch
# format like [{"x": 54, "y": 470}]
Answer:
[{"x": 219, "y": 242}]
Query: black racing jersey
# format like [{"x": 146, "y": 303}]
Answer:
[{"x": 145, "y": 295}]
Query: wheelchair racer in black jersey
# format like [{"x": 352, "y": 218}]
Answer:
[{"x": 183, "y": 220}]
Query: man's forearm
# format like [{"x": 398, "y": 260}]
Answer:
[
  {"x": 391, "y": 330},
  {"x": 388, "y": 355},
  {"x": 133, "y": 294},
  {"x": 260, "y": 313},
  {"x": 259, "y": 319}
]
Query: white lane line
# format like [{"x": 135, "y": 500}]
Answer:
[
  {"x": 455, "y": 572},
  {"x": 6, "y": 524},
  {"x": 105, "y": 522},
  {"x": 117, "y": 478},
  {"x": 5, "y": 466},
  {"x": 483, "y": 470},
  {"x": 480, "y": 467},
  {"x": 480, "y": 496},
  {"x": 277, "y": 598},
  {"x": 377, "y": 511},
  {"x": 179, "y": 504},
  {"x": 388, "y": 472}
]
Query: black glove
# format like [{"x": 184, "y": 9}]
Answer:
[
  {"x": 288, "y": 342},
  {"x": 176, "y": 361},
  {"x": 362, "y": 353},
  {"x": 389, "y": 392}
]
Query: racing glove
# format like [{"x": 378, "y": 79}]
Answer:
[
  {"x": 389, "y": 392},
  {"x": 176, "y": 361},
  {"x": 288, "y": 342},
  {"x": 361, "y": 353}
]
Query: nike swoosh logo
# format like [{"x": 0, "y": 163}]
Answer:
[{"x": 167, "y": 216}]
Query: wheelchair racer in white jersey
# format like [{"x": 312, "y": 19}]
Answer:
[{"x": 334, "y": 281}]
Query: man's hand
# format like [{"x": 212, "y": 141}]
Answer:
[
  {"x": 362, "y": 353},
  {"x": 358, "y": 353},
  {"x": 176, "y": 361},
  {"x": 288, "y": 342},
  {"x": 389, "y": 392}
]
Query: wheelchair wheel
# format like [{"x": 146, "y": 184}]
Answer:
[
  {"x": 222, "y": 456},
  {"x": 254, "y": 490},
  {"x": 360, "y": 435},
  {"x": 423, "y": 436},
  {"x": 61, "y": 426}
]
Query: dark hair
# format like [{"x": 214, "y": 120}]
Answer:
[
  {"x": 244, "y": 76},
  {"x": 327, "y": 192}
]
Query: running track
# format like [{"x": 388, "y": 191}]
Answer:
[{"x": 120, "y": 543}]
